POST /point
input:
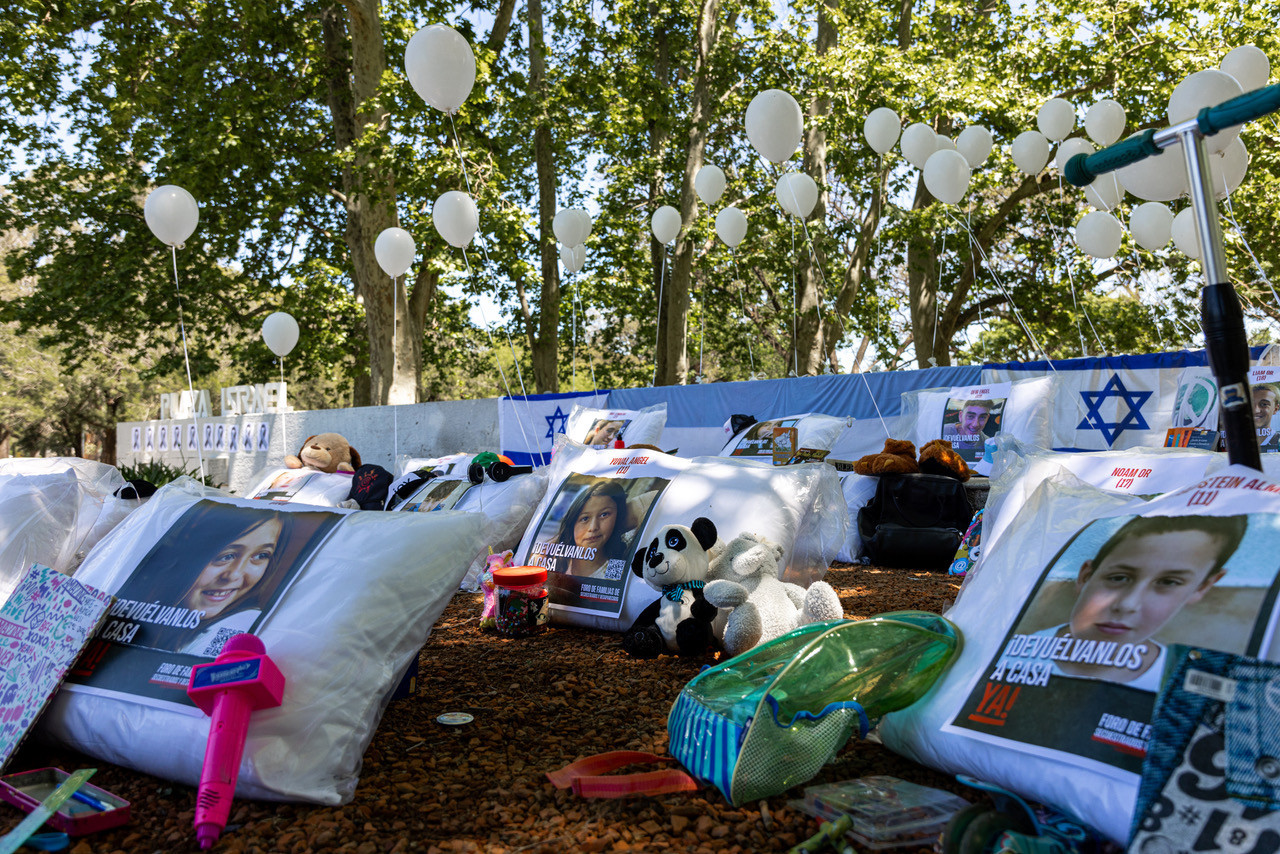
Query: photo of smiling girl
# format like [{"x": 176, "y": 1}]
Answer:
[{"x": 217, "y": 571}]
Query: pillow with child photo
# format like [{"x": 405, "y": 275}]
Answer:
[
  {"x": 1053, "y": 696},
  {"x": 601, "y": 428}
]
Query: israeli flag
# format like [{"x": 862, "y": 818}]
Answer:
[{"x": 527, "y": 425}]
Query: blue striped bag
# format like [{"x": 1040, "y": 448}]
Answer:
[{"x": 769, "y": 719}]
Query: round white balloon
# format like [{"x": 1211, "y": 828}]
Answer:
[
  {"x": 172, "y": 214},
  {"x": 1150, "y": 225},
  {"x": 1105, "y": 122},
  {"x": 709, "y": 183},
  {"x": 1098, "y": 233},
  {"x": 665, "y": 224},
  {"x": 731, "y": 226},
  {"x": 455, "y": 217},
  {"x": 1159, "y": 178},
  {"x": 918, "y": 143},
  {"x": 280, "y": 332},
  {"x": 774, "y": 125},
  {"x": 394, "y": 250},
  {"x": 1105, "y": 193},
  {"x": 1030, "y": 151},
  {"x": 1056, "y": 119},
  {"x": 585, "y": 219},
  {"x": 1227, "y": 169},
  {"x": 946, "y": 174},
  {"x": 440, "y": 66},
  {"x": 1069, "y": 148},
  {"x": 796, "y": 193},
  {"x": 1186, "y": 233},
  {"x": 569, "y": 227},
  {"x": 1206, "y": 88},
  {"x": 945, "y": 143},
  {"x": 1248, "y": 65},
  {"x": 975, "y": 143},
  {"x": 572, "y": 258},
  {"x": 881, "y": 129},
  {"x": 579, "y": 256}
]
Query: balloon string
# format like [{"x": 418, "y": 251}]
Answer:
[
  {"x": 822, "y": 279},
  {"x": 574, "y": 307},
  {"x": 1137, "y": 278},
  {"x": 742, "y": 292},
  {"x": 395, "y": 365},
  {"x": 1083, "y": 309},
  {"x": 872, "y": 395},
  {"x": 186, "y": 359},
  {"x": 1017, "y": 315},
  {"x": 1231, "y": 215},
  {"x": 702, "y": 334},
  {"x": 284, "y": 423},
  {"x": 981, "y": 323},
  {"x": 657, "y": 320},
  {"x": 937, "y": 302},
  {"x": 505, "y": 385},
  {"x": 1057, "y": 255},
  {"x": 594, "y": 388}
]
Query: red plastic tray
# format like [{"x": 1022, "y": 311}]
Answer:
[{"x": 27, "y": 789}]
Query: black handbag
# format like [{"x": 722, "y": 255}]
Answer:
[{"x": 914, "y": 521}]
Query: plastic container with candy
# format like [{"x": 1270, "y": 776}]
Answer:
[{"x": 521, "y": 599}]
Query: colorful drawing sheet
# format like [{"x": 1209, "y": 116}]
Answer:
[{"x": 44, "y": 625}]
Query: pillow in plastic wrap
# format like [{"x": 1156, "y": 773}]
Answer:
[
  {"x": 448, "y": 464},
  {"x": 858, "y": 489},
  {"x": 506, "y": 507},
  {"x": 815, "y": 436},
  {"x": 282, "y": 485},
  {"x": 1067, "y": 630},
  {"x": 601, "y": 505},
  {"x": 342, "y": 600},
  {"x": 599, "y": 427},
  {"x": 971, "y": 417}
]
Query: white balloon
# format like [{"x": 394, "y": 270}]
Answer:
[
  {"x": 1069, "y": 148},
  {"x": 709, "y": 183},
  {"x": 1098, "y": 233},
  {"x": 579, "y": 256},
  {"x": 774, "y": 125},
  {"x": 731, "y": 226},
  {"x": 918, "y": 143},
  {"x": 1104, "y": 122},
  {"x": 587, "y": 223},
  {"x": 1227, "y": 169},
  {"x": 945, "y": 143},
  {"x": 1248, "y": 65},
  {"x": 796, "y": 193},
  {"x": 1030, "y": 151},
  {"x": 280, "y": 332},
  {"x": 172, "y": 214},
  {"x": 1150, "y": 225},
  {"x": 394, "y": 250},
  {"x": 569, "y": 227},
  {"x": 455, "y": 217},
  {"x": 1159, "y": 178},
  {"x": 1186, "y": 233},
  {"x": 881, "y": 129},
  {"x": 440, "y": 66},
  {"x": 1206, "y": 88},
  {"x": 1056, "y": 119},
  {"x": 665, "y": 224},
  {"x": 573, "y": 257},
  {"x": 1105, "y": 193},
  {"x": 946, "y": 174},
  {"x": 975, "y": 143}
]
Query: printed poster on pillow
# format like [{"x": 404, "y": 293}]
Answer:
[
  {"x": 1077, "y": 675},
  {"x": 436, "y": 494},
  {"x": 602, "y": 432},
  {"x": 757, "y": 441},
  {"x": 1264, "y": 389},
  {"x": 972, "y": 417},
  {"x": 218, "y": 571},
  {"x": 588, "y": 532}
]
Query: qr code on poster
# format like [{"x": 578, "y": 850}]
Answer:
[{"x": 615, "y": 569}]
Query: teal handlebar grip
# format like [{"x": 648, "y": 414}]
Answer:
[
  {"x": 1240, "y": 109},
  {"x": 1084, "y": 168}
]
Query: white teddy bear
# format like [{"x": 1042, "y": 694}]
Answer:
[{"x": 745, "y": 580}]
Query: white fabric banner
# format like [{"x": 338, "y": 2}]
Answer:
[{"x": 527, "y": 427}]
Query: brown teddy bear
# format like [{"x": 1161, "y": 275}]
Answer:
[
  {"x": 327, "y": 452},
  {"x": 899, "y": 457}
]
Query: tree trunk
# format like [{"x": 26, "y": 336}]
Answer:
[
  {"x": 356, "y": 57},
  {"x": 657, "y": 149},
  {"x": 810, "y": 342},
  {"x": 922, "y": 288},
  {"x": 672, "y": 357},
  {"x": 545, "y": 345}
]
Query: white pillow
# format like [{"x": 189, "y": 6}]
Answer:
[
  {"x": 814, "y": 432},
  {"x": 347, "y": 600},
  {"x": 858, "y": 489},
  {"x": 448, "y": 464},
  {"x": 599, "y": 427},
  {"x": 970, "y": 417},
  {"x": 798, "y": 507},
  {"x": 1067, "y": 627},
  {"x": 302, "y": 486}
]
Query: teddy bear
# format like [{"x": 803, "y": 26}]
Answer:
[
  {"x": 899, "y": 457},
  {"x": 326, "y": 452},
  {"x": 675, "y": 564},
  {"x": 744, "y": 578}
]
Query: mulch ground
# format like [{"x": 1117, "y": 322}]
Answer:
[{"x": 538, "y": 703}]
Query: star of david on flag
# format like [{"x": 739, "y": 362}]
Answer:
[
  {"x": 560, "y": 416},
  {"x": 1132, "y": 401}
]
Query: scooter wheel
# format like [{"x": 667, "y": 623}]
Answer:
[
  {"x": 959, "y": 824},
  {"x": 984, "y": 831}
]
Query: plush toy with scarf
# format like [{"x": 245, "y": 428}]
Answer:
[{"x": 675, "y": 564}]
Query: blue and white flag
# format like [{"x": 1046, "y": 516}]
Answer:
[{"x": 527, "y": 426}]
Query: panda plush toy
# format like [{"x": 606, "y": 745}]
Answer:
[{"x": 675, "y": 564}]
